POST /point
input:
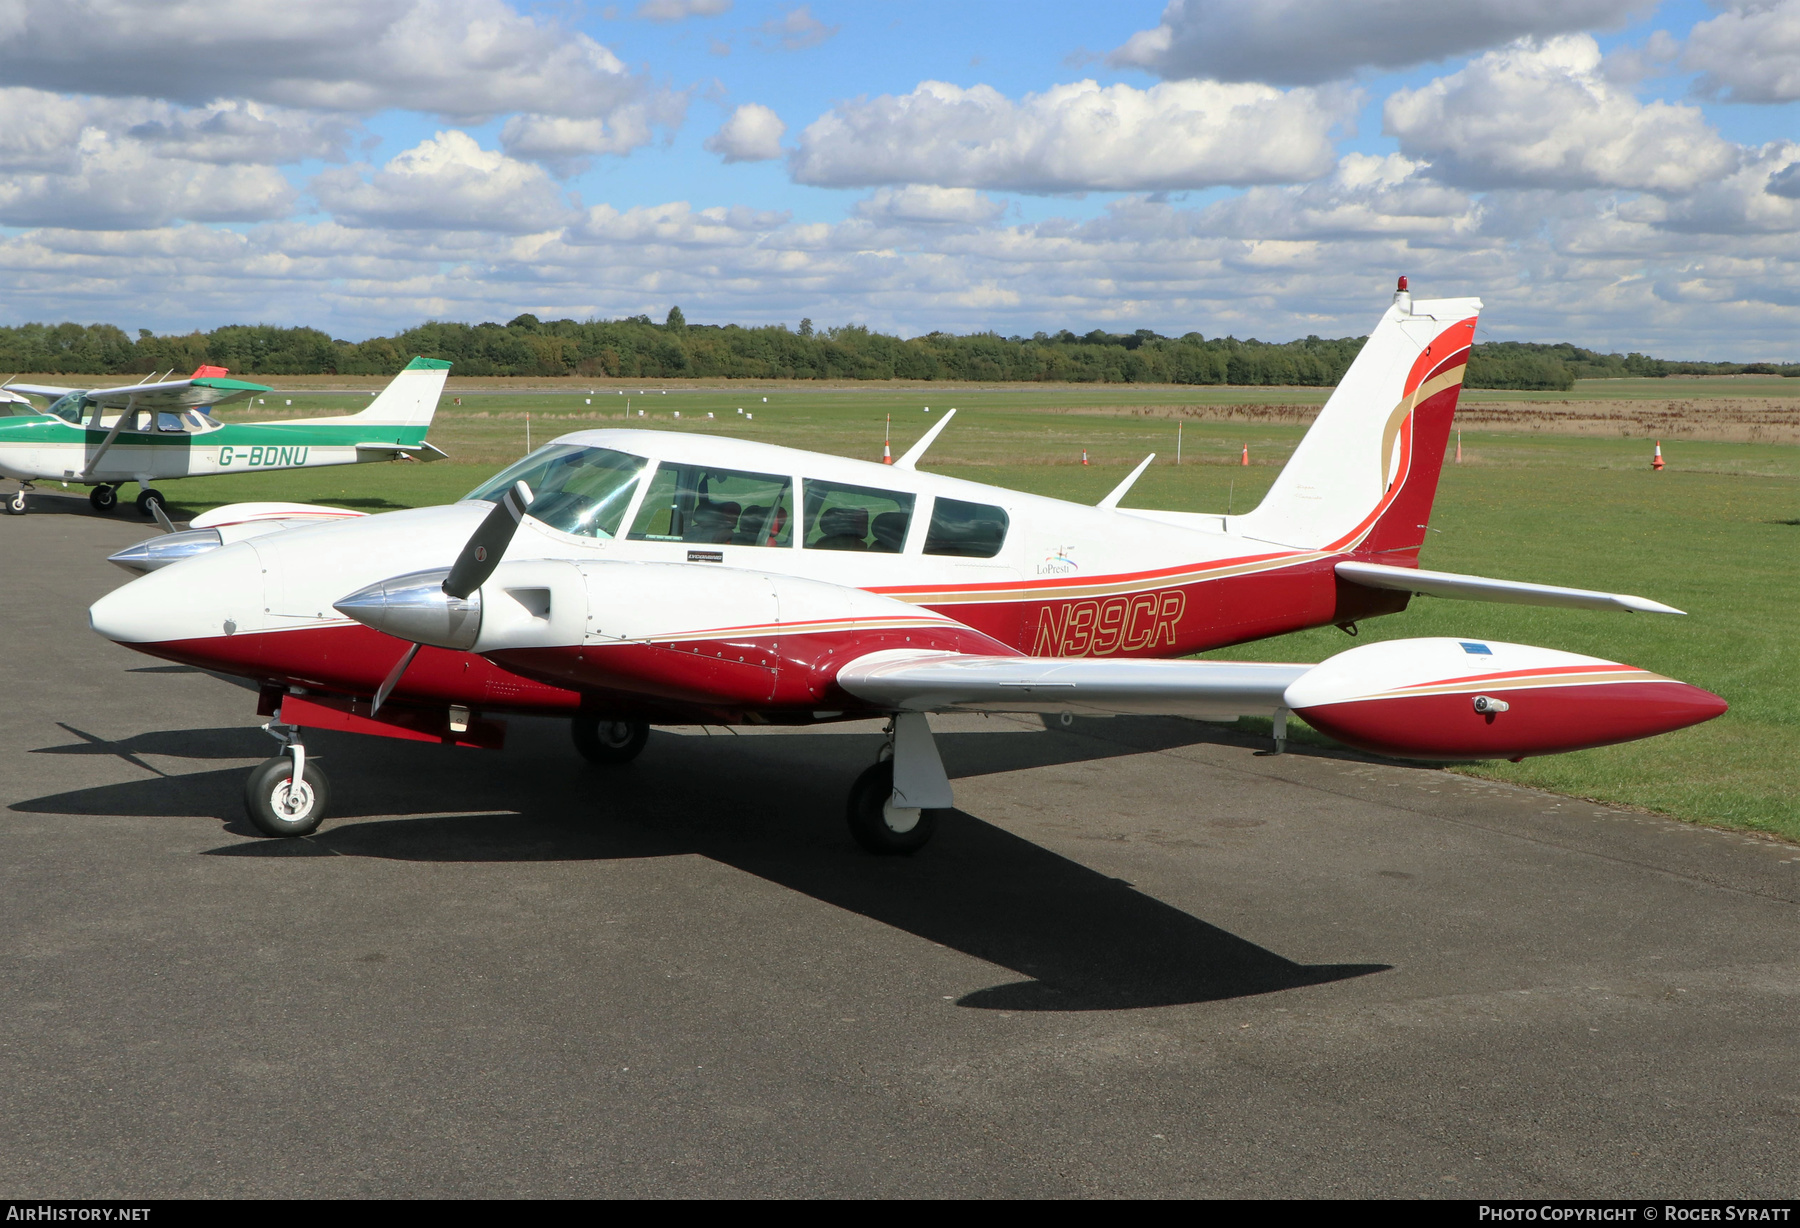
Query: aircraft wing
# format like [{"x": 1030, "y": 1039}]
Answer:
[
  {"x": 176, "y": 394},
  {"x": 1480, "y": 588},
  {"x": 41, "y": 390},
  {"x": 916, "y": 681}
]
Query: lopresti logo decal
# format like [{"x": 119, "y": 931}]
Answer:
[{"x": 1117, "y": 624}]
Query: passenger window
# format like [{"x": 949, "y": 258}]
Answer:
[
  {"x": 719, "y": 507},
  {"x": 966, "y": 530},
  {"x": 842, "y": 517},
  {"x": 166, "y": 421}
]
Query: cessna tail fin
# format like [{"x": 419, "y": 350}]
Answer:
[
  {"x": 1364, "y": 475},
  {"x": 410, "y": 399}
]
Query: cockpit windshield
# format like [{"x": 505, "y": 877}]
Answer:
[
  {"x": 69, "y": 407},
  {"x": 578, "y": 490}
]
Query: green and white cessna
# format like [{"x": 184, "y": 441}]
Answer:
[{"x": 105, "y": 437}]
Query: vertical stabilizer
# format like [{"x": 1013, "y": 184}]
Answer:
[
  {"x": 1365, "y": 474},
  {"x": 410, "y": 399}
]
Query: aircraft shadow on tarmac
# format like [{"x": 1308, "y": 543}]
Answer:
[{"x": 770, "y": 806}]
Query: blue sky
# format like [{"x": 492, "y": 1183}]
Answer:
[{"x": 1603, "y": 171}]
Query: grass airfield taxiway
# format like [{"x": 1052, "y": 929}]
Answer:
[{"x": 1142, "y": 959}]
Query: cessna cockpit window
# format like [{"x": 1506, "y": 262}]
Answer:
[
  {"x": 842, "y": 517},
  {"x": 583, "y": 491},
  {"x": 69, "y": 408},
  {"x": 966, "y": 530},
  {"x": 718, "y": 507}
]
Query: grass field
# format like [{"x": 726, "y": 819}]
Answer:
[{"x": 1715, "y": 535}]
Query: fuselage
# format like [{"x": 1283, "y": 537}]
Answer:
[
  {"x": 724, "y": 608},
  {"x": 165, "y": 445}
]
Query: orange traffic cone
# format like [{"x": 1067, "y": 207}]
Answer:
[
  {"x": 1084, "y": 456},
  {"x": 1246, "y": 459},
  {"x": 1656, "y": 462},
  {"x": 887, "y": 453}
]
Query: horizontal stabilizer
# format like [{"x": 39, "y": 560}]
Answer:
[
  {"x": 1480, "y": 588},
  {"x": 910, "y": 680}
]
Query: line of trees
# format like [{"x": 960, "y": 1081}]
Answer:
[{"x": 637, "y": 347}]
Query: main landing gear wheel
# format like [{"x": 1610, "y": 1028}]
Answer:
[
  {"x": 604, "y": 741},
  {"x": 104, "y": 498},
  {"x": 148, "y": 496},
  {"x": 16, "y": 504},
  {"x": 279, "y": 805},
  {"x": 880, "y": 826}
]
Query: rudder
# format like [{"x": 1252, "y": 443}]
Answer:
[{"x": 1366, "y": 472}]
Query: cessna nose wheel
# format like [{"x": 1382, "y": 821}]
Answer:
[
  {"x": 16, "y": 504},
  {"x": 604, "y": 741},
  {"x": 104, "y": 498}
]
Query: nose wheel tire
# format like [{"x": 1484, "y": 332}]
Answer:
[
  {"x": 146, "y": 498},
  {"x": 16, "y": 504},
  {"x": 104, "y": 498},
  {"x": 604, "y": 741},
  {"x": 880, "y": 826},
  {"x": 281, "y": 806}
]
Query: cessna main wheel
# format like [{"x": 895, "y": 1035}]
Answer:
[
  {"x": 148, "y": 496},
  {"x": 104, "y": 498},
  {"x": 879, "y": 825},
  {"x": 604, "y": 741},
  {"x": 279, "y": 805}
]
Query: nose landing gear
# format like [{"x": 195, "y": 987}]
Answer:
[
  {"x": 287, "y": 795},
  {"x": 16, "y": 505},
  {"x": 604, "y": 741}
]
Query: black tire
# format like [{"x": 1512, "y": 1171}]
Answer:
[
  {"x": 146, "y": 498},
  {"x": 103, "y": 498},
  {"x": 16, "y": 505},
  {"x": 607, "y": 741},
  {"x": 268, "y": 788},
  {"x": 872, "y": 819}
]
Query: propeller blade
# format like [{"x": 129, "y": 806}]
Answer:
[
  {"x": 162, "y": 517},
  {"x": 483, "y": 552},
  {"x": 393, "y": 679}
]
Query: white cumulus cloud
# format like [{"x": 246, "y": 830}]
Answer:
[
  {"x": 1543, "y": 114},
  {"x": 752, "y": 134},
  {"x": 447, "y": 182},
  {"x": 466, "y": 60},
  {"x": 1749, "y": 53},
  {"x": 680, "y": 10},
  {"x": 114, "y": 184},
  {"x": 1306, "y": 42},
  {"x": 1077, "y": 137},
  {"x": 921, "y": 202}
]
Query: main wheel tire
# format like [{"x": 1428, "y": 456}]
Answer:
[
  {"x": 277, "y": 807},
  {"x": 103, "y": 498},
  {"x": 604, "y": 741},
  {"x": 146, "y": 498},
  {"x": 880, "y": 826},
  {"x": 17, "y": 505}
]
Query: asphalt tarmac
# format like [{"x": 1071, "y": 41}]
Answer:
[{"x": 1142, "y": 959}]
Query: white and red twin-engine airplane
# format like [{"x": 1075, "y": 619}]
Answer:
[{"x": 626, "y": 578}]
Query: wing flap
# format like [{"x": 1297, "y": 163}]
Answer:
[
  {"x": 1481, "y": 588},
  {"x": 914, "y": 681}
]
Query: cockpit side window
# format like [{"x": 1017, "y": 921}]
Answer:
[
  {"x": 720, "y": 507},
  {"x": 966, "y": 530},
  {"x": 841, "y": 517},
  {"x": 584, "y": 491}
]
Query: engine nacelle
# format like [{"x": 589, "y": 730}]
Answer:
[{"x": 1482, "y": 699}]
